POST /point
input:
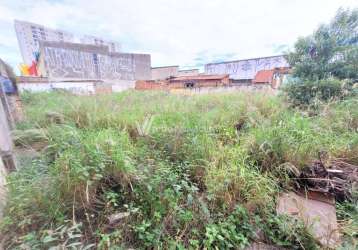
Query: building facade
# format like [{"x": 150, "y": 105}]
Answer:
[
  {"x": 244, "y": 71},
  {"x": 112, "y": 46},
  {"x": 29, "y": 36}
]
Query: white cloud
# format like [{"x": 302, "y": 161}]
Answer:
[{"x": 184, "y": 32}]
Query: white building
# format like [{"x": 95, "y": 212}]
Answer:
[
  {"x": 246, "y": 70},
  {"x": 113, "y": 46},
  {"x": 29, "y": 34}
]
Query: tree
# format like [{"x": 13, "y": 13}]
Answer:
[{"x": 331, "y": 51}]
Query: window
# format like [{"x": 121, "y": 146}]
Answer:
[{"x": 189, "y": 85}]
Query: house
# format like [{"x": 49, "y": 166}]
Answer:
[
  {"x": 182, "y": 82},
  {"x": 274, "y": 77}
]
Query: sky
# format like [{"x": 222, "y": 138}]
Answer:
[{"x": 188, "y": 33}]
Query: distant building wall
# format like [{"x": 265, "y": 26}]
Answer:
[
  {"x": 246, "y": 69},
  {"x": 187, "y": 72},
  {"x": 79, "y": 61},
  {"x": 159, "y": 73}
]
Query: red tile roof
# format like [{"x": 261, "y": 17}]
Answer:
[{"x": 264, "y": 76}]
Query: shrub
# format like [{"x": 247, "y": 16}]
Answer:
[{"x": 310, "y": 92}]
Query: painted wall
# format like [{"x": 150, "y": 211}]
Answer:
[
  {"x": 78, "y": 61},
  {"x": 84, "y": 88},
  {"x": 79, "y": 88},
  {"x": 246, "y": 69}
]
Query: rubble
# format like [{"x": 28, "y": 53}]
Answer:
[{"x": 335, "y": 177}]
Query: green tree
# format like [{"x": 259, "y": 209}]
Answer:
[{"x": 331, "y": 51}]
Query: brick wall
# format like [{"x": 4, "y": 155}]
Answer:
[{"x": 180, "y": 84}]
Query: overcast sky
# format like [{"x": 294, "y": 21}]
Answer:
[{"x": 176, "y": 32}]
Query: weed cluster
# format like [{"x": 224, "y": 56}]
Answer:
[{"x": 154, "y": 170}]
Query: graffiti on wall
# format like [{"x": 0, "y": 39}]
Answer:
[
  {"x": 83, "y": 64},
  {"x": 65, "y": 63},
  {"x": 117, "y": 67},
  {"x": 246, "y": 69}
]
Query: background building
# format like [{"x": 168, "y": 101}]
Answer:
[
  {"x": 159, "y": 73},
  {"x": 244, "y": 71},
  {"x": 29, "y": 34},
  {"x": 112, "y": 46}
]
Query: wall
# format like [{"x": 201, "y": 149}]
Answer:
[
  {"x": 5, "y": 139},
  {"x": 246, "y": 69},
  {"x": 262, "y": 89},
  {"x": 188, "y": 72},
  {"x": 180, "y": 83},
  {"x": 151, "y": 85},
  {"x": 119, "y": 86},
  {"x": 161, "y": 73},
  {"x": 2, "y": 191},
  {"x": 5, "y": 149},
  {"x": 80, "y": 88},
  {"x": 79, "y": 61}
]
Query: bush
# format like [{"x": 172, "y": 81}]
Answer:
[{"x": 310, "y": 92}]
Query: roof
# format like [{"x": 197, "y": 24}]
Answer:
[
  {"x": 199, "y": 77},
  {"x": 264, "y": 76}
]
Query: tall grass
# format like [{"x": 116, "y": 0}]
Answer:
[{"x": 174, "y": 167}]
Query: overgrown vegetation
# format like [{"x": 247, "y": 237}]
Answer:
[{"x": 155, "y": 170}]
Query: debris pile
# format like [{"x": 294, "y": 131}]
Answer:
[{"x": 336, "y": 177}]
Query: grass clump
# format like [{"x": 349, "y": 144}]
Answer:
[{"x": 177, "y": 171}]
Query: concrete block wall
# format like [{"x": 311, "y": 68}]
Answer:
[
  {"x": 78, "y": 61},
  {"x": 161, "y": 73}
]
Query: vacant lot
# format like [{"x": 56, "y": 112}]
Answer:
[{"x": 155, "y": 170}]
